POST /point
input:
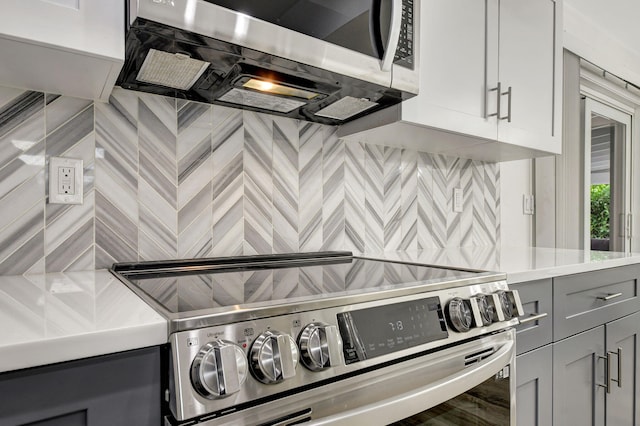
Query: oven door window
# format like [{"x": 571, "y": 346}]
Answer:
[{"x": 488, "y": 404}]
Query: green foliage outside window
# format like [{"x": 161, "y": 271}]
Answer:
[{"x": 600, "y": 202}]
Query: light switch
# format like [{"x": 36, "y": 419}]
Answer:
[{"x": 528, "y": 204}]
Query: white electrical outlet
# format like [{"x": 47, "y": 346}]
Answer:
[
  {"x": 457, "y": 200},
  {"x": 65, "y": 180}
]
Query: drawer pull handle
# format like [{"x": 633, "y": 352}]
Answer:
[
  {"x": 533, "y": 317},
  {"x": 609, "y": 296}
]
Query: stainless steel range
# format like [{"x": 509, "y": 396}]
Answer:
[{"x": 329, "y": 338}]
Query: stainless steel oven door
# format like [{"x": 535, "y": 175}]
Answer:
[{"x": 472, "y": 383}]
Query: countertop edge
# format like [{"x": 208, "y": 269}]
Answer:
[{"x": 69, "y": 348}]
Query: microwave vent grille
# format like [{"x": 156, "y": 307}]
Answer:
[{"x": 175, "y": 70}]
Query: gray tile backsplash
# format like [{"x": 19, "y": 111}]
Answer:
[{"x": 166, "y": 178}]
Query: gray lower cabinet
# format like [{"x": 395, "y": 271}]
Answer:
[
  {"x": 534, "y": 378},
  {"x": 116, "y": 389},
  {"x": 593, "y": 322},
  {"x": 595, "y": 375},
  {"x": 577, "y": 371},
  {"x": 623, "y": 401}
]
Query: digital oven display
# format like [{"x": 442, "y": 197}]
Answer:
[{"x": 373, "y": 332}]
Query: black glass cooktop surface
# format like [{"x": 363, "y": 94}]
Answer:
[{"x": 194, "y": 285}]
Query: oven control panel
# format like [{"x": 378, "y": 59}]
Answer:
[
  {"x": 481, "y": 310},
  {"x": 217, "y": 368}
]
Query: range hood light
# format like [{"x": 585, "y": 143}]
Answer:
[{"x": 279, "y": 89}]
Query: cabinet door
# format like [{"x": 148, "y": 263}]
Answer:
[
  {"x": 530, "y": 63},
  {"x": 534, "y": 387},
  {"x": 115, "y": 389},
  {"x": 454, "y": 68},
  {"x": 577, "y": 371},
  {"x": 623, "y": 401}
]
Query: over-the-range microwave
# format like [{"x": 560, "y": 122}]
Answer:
[{"x": 327, "y": 61}]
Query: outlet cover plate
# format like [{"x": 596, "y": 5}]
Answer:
[{"x": 58, "y": 181}]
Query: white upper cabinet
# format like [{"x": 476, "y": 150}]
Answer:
[
  {"x": 530, "y": 64},
  {"x": 453, "y": 73},
  {"x": 468, "y": 50},
  {"x": 70, "y": 47}
]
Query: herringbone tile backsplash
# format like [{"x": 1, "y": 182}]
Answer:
[{"x": 166, "y": 178}]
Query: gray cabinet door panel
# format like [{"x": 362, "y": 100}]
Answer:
[
  {"x": 578, "y": 303},
  {"x": 624, "y": 399},
  {"x": 534, "y": 387},
  {"x": 577, "y": 399},
  {"x": 537, "y": 298},
  {"x": 115, "y": 389}
]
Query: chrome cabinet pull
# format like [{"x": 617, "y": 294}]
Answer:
[
  {"x": 533, "y": 317},
  {"x": 498, "y": 90},
  {"x": 609, "y": 296},
  {"x": 607, "y": 372},
  {"x": 499, "y": 95},
  {"x": 618, "y": 353},
  {"x": 508, "y": 93}
]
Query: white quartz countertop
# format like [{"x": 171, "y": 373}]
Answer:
[
  {"x": 58, "y": 317},
  {"x": 51, "y": 318},
  {"x": 519, "y": 263}
]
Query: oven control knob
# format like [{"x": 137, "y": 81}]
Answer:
[
  {"x": 219, "y": 369},
  {"x": 320, "y": 346},
  {"x": 486, "y": 308},
  {"x": 273, "y": 357},
  {"x": 510, "y": 303},
  {"x": 459, "y": 312}
]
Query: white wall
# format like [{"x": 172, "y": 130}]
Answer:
[
  {"x": 516, "y": 180},
  {"x": 606, "y": 33}
]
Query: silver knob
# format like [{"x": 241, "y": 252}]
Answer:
[
  {"x": 459, "y": 312},
  {"x": 511, "y": 304},
  {"x": 486, "y": 310},
  {"x": 320, "y": 346},
  {"x": 273, "y": 357},
  {"x": 219, "y": 369}
]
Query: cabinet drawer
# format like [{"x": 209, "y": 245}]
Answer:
[
  {"x": 586, "y": 300},
  {"x": 537, "y": 300}
]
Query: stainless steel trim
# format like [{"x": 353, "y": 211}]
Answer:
[
  {"x": 394, "y": 392},
  {"x": 201, "y": 17},
  {"x": 533, "y": 317},
  {"x": 294, "y": 419},
  {"x": 609, "y": 296},
  {"x": 394, "y": 36}
]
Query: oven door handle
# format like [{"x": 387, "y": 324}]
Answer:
[{"x": 413, "y": 402}]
